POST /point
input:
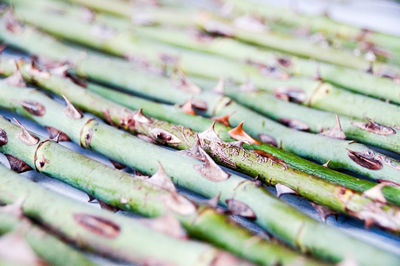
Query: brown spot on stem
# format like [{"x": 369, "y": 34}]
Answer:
[
  {"x": 25, "y": 136},
  {"x": 336, "y": 132},
  {"x": 375, "y": 127},
  {"x": 88, "y": 137},
  {"x": 291, "y": 94},
  {"x": 284, "y": 62},
  {"x": 223, "y": 119},
  {"x": 3, "y": 137},
  {"x": 97, "y": 225},
  {"x": 239, "y": 208},
  {"x": 268, "y": 139},
  {"x": 187, "y": 108},
  {"x": 108, "y": 117},
  {"x": 71, "y": 111},
  {"x": 365, "y": 159},
  {"x": 33, "y": 107},
  {"x": 210, "y": 169},
  {"x": 57, "y": 135},
  {"x": 295, "y": 124},
  {"x": 198, "y": 104},
  {"x": 239, "y": 134},
  {"x": 17, "y": 165},
  {"x": 269, "y": 71},
  {"x": 164, "y": 136}
]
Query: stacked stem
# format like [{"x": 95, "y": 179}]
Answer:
[
  {"x": 268, "y": 211},
  {"x": 99, "y": 230}
]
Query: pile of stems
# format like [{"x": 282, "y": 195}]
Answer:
[
  {"x": 98, "y": 230},
  {"x": 314, "y": 93},
  {"x": 354, "y": 80},
  {"x": 48, "y": 247},
  {"x": 311, "y": 187},
  {"x": 285, "y": 43},
  {"x": 308, "y": 119},
  {"x": 358, "y": 81},
  {"x": 124, "y": 74},
  {"x": 316, "y": 24},
  {"x": 122, "y": 190},
  {"x": 280, "y": 219},
  {"x": 175, "y": 115}
]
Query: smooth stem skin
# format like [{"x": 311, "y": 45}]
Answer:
[
  {"x": 315, "y": 23},
  {"x": 125, "y": 75},
  {"x": 317, "y": 94},
  {"x": 120, "y": 189},
  {"x": 354, "y": 80},
  {"x": 46, "y": 246},
  {"x": 197, "y": 123},
  {"x": 123, "y": 238},
  {"x": 308, "y": 186},
  {"x": 277, "y": 217}
]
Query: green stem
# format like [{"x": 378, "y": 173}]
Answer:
[
  {"x": 119, "y": 189},
  {"x": 308, "y": 186},
  {"x": 100, "y": 230},
  {"x": 277, "y": 217},
  {"x": 314, "y": 93},
  {"x": 47, "y": 246},
  {"x": 175, "y": 115}
]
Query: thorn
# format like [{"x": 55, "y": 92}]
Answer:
[
  {"x": 248, "y": 86},
  {"x": 14, "y": 209},
  {"x": 213, "y": 203},
  {"x": 15, "y": 79},
  {"x": 167, "y": 224},
  {"x": 317, "y": 75},
  {"x": 91, "y": 198},
  {"x": 70, "y": 110},
  {"x": 57, "y": 135},
  {"x": 238, "y": 133},
  {"x": 210, "y": 169},
  {"x": 326, "y": 164},
  {"x": 142, "y": 118},
  {"x": 187, "y": 108},
  {"x": 282, "y": 189},
  {"x": 375, "y": 192},
  {"x": 106, "y": 206},
  {"x": 194, "y": 151},
  {"x": 25, "y": 136},
  {"x": 17, "y": 165},
  {"x": 162, "y": 180},
  {"x": 117, "y": 165},
  {"x": 336, "y": 132},
  {"x": 185, "y": 84},
  {"x": 223, "y": 119},
  {"x": 239, "y": 208},
  {"x": 323, "y": 211},
  {"x": 369, "y": 222},
  {"x": 220, "y": 87},
  {"x": 210, "y": 134}
]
